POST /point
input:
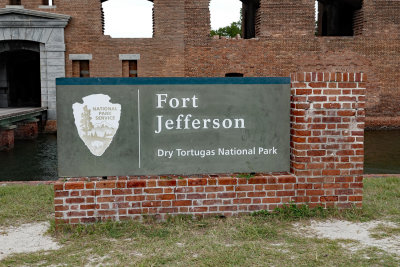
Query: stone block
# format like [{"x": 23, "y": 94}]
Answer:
[
  {"x": 55, "y": 55},
  {"x": 36, "y": 34},
  {"x": 57, "y": 36},
  {"x": 46, "y": 35},
  {"x": 51, "y": 114},
  {"x": 22, "y": 33},
  {"x": 29, "y": 33}
]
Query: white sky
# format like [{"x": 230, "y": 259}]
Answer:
[
  {"x": 133, "y": 18},
  {"x": 128, "y": 18},
  {"x": 224, "y": 12}
]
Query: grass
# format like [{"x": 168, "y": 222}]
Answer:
[
  {"x": 385, "y": 231},
  {"x": 382, "y": 199},
  {"x": 263, "y": 239},
  {"x": 24, "y": 203},
  {"x": 245, "y": 175}
]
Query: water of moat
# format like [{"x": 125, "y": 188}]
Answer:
[{"x": 32, "y": 160}]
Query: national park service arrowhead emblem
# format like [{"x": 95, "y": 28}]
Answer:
[{"x": 97, "y": 121}]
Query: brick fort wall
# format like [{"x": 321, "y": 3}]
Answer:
[{"x": 285, "y": 43}]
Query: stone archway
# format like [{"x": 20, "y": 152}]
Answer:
[{"x": 47, "y": 30}]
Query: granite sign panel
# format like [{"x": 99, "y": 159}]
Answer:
[{"x": 154, "y": 126}]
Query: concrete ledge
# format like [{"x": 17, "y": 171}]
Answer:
[
  {"x": 47, "y": 7},
  {"x": 19, "y": 9},
  {"x": 15, "y": 6},
  {"x": 80, "y": 57},
  {"x": 129, "y": 56},
  {"x": 8, "y": 127}
]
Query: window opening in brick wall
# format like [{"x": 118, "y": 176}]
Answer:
[
  {"x": 15, "y": 2},
  {"x": 80, "y": 68},
  {"x": 251, "y": 18},
  {"x": 129, "y": 68},
  {"x": 225, "y": 17},
  {"x": 234, "y": 74},
  {"x": 339, "y": 17},
  {"x": 127, "y": 18},
  {"x": 48, "y": 2}
]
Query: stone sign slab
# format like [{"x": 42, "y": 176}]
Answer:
[{"x": 154, "y": 126}]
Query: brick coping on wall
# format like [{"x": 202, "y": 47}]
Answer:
[
  {"x": 62, "y": 180},
  {"x": 327, "y": 153},
  {"x": 382, "y": 123},
  {"x": 168, "y": 177}
]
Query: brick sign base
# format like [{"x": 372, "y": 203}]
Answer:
[{"x": 327, "y": 154}]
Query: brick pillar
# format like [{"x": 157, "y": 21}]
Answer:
[
  {"x": 50, "y": 126},
  {"x": 7, "y": 138},
  {"x": 27, "y": 129},
  {"x": 327, "y": 137}
]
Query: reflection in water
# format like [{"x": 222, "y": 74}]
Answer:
[
  {"x": 37, "y": 159},
  {"x": 382, "y": 152},
  {"x": 30, "y": 160}
]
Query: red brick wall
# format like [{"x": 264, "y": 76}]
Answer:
[
  {"x": 327, "y": 131},
  {"x": 89, "y": 201},
  {"x": 286, "y": 44},
  {"x": 181, "y": 46}
]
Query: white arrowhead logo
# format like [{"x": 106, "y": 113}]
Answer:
[{"x": 97, "y": 121}]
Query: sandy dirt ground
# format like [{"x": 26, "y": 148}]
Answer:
[
  {"x": 25, "y": 238},
  {"x": 31, "y": 237},
  {"x": 360, "y": 231}
]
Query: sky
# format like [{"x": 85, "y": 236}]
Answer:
[{"x": 133, "y": 18}]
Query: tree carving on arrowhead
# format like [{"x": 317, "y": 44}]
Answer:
[
  {"x": 97, "y": 121},
  {"x": 86, "y": 124}
]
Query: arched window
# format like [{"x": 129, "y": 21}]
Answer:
[{"x": 128, "y": 18}]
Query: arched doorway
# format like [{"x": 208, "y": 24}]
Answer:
[
  {"x": 20, "y": 74},
  {"x": 35, "y": 33}
]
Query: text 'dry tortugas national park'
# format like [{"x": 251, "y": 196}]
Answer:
[
  {"x": 173, "y": 126},
  {"x": 184, "y": 122}
]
